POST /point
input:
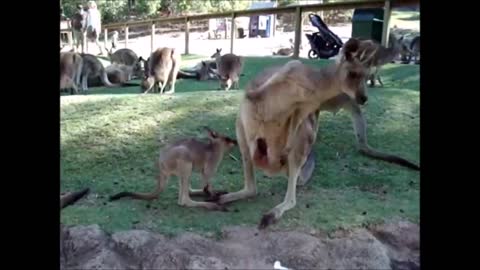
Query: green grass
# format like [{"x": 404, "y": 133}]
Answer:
[{"x": 110, "y": 140}]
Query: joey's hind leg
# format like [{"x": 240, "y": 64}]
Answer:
[{"x": 184, "y": 196}]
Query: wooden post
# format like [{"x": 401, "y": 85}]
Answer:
[
  {"x": 298, "y": 32},
  {"x": 274, "y": 23},
  {"x": 70, "y": 38},
  {"x": 126, "y": 36},
  {"x": 152, "y": 38},
  {"x": 232, "y": 32},
  {"x": 386, "y": 22},
  {"x": 105, "y": 38},
  {"x": 226, "y": 28},
  {"x": 187, "y": 35}
]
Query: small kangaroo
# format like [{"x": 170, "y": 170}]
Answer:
[
  {"x": 161, "y": 69},
  {"x": 229, "y": 69},
  {"x": 181, "y": 158}
]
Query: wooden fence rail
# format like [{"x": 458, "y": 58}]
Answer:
[{"x": 297, "y": 9}]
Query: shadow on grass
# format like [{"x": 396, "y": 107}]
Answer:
[
  {"x": 112, "y": 144},
  {"x": 401, "y": 76}
]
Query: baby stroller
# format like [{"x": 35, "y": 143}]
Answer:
[{"x": 324, "y": 43}]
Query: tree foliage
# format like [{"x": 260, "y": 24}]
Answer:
[{"x": 120, "y": 10}]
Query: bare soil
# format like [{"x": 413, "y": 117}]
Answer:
[{"x": 393, "y": 245}]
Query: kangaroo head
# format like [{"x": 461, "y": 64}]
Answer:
[
  {"x": 139, "y": 67},
  {"x": 227, "y": 142},
  {"x": 354, "y": 67},
  {"x": 217, "y": 53}
]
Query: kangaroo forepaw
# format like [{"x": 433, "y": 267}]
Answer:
[{"x": 215, "y": 197}]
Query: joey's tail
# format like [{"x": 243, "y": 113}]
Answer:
[
  {"x": 72, "y": 197},
  {"x": 161, "y": 183},
  {"x": 369, "y": 152}
]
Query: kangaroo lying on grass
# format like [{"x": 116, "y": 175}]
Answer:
[
  {"x": 71, "y": 65},
  {"x": 161, "y": 69},
  {"x": 205, "y": 70},
  {"x": 285, "y": 51},
  {"x": 278, "y": 120},
  {"x": 229, "y": 69},
  {"x": 117, "y": 74},
  {"x": 181, "y": 158}
]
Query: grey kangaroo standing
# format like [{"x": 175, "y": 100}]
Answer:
[
  {"x": 92, "y": 67},
  {"x": 229, "y": 69},
  {"x": 161, "y": 69},
  {"x": 71, "y": 65},
  {"x": 384, "y": 56},
  {"x": 129, "y": 58}
]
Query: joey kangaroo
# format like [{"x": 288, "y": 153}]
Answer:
[
  {"x": 229, "y": 69},
  {"x": 71, "y": 65},
  {"x": 278, "y": 119},
  {"x": 161, "y": 69},
  {"x": 181, "y": 158}
]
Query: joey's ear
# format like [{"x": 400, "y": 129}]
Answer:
[{"x": 212, "y": 134}]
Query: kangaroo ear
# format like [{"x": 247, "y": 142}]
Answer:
[
  {"x": 212, "y": 134},
  {"x": 350, "y": 49}
]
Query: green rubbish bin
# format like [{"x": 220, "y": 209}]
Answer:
[{"x": 367, "y": 23}]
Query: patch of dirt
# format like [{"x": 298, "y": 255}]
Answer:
[{"x": 389, "y": 246}]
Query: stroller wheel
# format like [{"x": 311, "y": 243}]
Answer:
[{"x": 312, "y": 54}]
